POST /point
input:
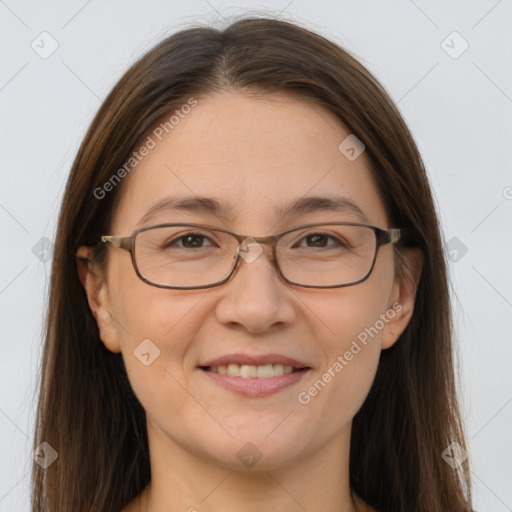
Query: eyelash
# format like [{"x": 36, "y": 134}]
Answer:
[{"x": 303, "y": 237}]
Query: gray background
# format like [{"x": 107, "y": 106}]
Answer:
[{"x": 458, "y": 106}]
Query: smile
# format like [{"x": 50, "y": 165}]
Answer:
[
  {"x": 255, "y": 381},
  {"x": 246, "y": 371}
]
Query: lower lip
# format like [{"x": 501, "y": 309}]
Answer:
[{"x": 256, "y": 386}]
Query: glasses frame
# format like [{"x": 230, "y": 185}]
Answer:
[{"x": 382, "y": 237}]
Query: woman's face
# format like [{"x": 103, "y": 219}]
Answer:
[{"x": 254, "y": 157}]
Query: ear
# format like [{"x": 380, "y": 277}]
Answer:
[
  {"x": 403, "y": 295},
  {"x": 95, "y": 287}
]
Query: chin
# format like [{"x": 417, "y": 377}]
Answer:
[{"x": 257, "y": 451}]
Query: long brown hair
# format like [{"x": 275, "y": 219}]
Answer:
[{"x": 87, "y": 410}]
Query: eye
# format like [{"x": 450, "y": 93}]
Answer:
[
  {"x": 189, "y": 241},
  {"x": 323, "y": 240}
]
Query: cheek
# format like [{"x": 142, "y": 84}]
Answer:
[
  {"x": 146, "y": 311},
  {"x": 351, "y": 317},
  {"x": 352, "y": 348},
  {"x": 351, "y": 321},
  {"x": 337, "y": 390},
  {"x": 155, "y": 327},
  {"x": 170, "y": 319}
]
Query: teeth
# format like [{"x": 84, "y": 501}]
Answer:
[
  {"x": 233, "y": 370},
  {"x": 246, "y": 371}
]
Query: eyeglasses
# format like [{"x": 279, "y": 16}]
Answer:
[{"x": 193, "y": 256}]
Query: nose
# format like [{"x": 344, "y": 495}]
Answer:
[{"x": 256, "y": 297}]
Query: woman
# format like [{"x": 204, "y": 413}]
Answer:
[{"x": 279, "y": 337}]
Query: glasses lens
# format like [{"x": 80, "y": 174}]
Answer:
[
  {"x": 184, "y": 256},
  {"x": 327, "y": 255}
]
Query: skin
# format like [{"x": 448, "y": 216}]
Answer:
[{"x": 253, "y": 154}]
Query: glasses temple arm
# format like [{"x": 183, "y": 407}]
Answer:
[{"x": 122, "y": 242}]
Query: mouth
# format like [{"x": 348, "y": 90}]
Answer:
[
  {"x": 247, "y": 371},
  {"x": 254, "y": 380}
]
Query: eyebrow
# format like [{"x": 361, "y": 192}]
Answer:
[{"x": 212, "y": 206}]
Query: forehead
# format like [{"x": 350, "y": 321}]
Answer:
[{"x": 254, "y": 156}]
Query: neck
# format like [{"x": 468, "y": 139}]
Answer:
[{"x": 182, "y": 481}]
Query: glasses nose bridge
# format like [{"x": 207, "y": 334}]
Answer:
[{"x": 262, "y": 240}]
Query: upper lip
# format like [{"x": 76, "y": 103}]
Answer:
[{"x": 255, "y": 360}]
